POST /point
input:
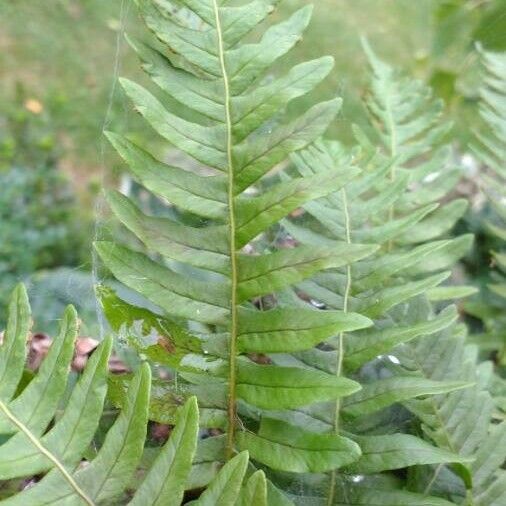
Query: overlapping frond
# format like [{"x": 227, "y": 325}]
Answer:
[
  {"x": 491, "y": 150},
  {"x": 462, "y": 421},
  {"x": 382, "y": 287},
  {"x": 394, "y": 204}
]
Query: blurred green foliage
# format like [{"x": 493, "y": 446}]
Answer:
[
  {"x": 40, "y": 225},
  {"x": 63, "y": 51}
]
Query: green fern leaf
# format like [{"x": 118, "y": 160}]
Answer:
[
  {"x": 217, "y": 73},
  {"x": 385, "y": 392},
  {"x": 255, "y": 490},
  {"x": 397, "y": 451},
  {"x": 226, "y": 487},
  {"x": 366, "y": 497},
  {"x": 165, "y": 483},
  {"x": 391, "y": 203},
  {"x": 459, "y": 421},
  {"x": 286, "y": 447},
  {"x": 13, "y": 350}
]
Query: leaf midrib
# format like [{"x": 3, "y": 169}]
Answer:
[
  {"x": 340, "y": 348},
  {"x": 42, "y": 449},
  {"x": 231, "y": 410}
]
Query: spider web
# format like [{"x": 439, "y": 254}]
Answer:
[{"x": 101, "y": 222}]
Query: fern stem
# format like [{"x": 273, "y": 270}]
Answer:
[
  {"x": 42, "y": 449},
  {"x": 231, "y": 409},
  {"x": 340, "y": 342}
]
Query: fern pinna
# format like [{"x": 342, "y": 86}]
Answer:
[
  {"x": 39, "y": 441},
  {"x": 205, "y": 276},
  {"x": 467, "y": 422}
]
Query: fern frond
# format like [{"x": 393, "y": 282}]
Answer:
[
  {"x": 491, "y": 150},
  {"x": 37, "y": 442},
  {"x": 391, "y": 203},
  {"x": 464, "y": 421},
  {"x": 240, "y": 133},
  {"x": 492, "y": 146},
  {"x": 460, "y": 421}
]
